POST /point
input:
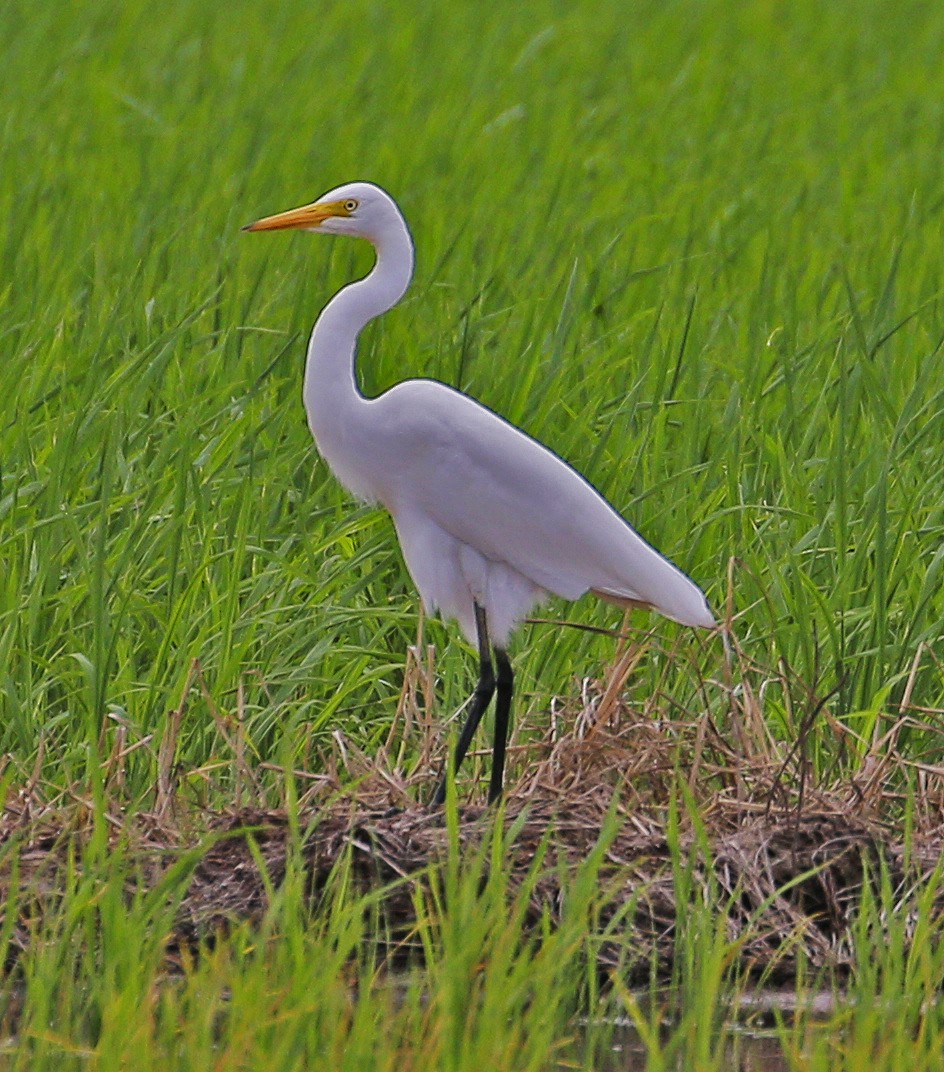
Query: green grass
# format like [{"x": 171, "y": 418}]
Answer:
[
  {"x": 697, "y": 248},
  {"x": 305, "y": 988}
]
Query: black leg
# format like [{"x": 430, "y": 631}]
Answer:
[
  {"x": 480, "y": 700},
  {"x": 505, "y": 686}
]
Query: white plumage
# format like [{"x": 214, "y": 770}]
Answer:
[{"x": 487, "y": 517}]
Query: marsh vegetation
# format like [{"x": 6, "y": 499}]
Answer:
[{"x": 697, "y": 249}]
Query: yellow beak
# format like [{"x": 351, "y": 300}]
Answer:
[{"x": 307, "y": 216}]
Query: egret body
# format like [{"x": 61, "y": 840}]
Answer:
[{"x": 489, "y": 520}]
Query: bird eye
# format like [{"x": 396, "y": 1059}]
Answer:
[{"x": 350, "y": 205}]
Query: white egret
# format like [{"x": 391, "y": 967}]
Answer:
[{"x": 489, "y": 520}]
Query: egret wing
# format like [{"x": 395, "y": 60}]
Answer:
[{"x": 501, "y": 492}]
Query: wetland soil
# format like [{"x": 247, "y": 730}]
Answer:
[
  {"x": 788, "y": 883},
  {"x": 668, "y": 811}
]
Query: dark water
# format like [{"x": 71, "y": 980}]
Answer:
[
  {"x": 744, "y": 1051},
  {"x": 749, "y": 1041}
]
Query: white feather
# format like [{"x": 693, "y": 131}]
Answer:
[{"x": 484, "y": 513}]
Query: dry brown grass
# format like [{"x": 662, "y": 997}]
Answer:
[{"x": 785, "y": 857}]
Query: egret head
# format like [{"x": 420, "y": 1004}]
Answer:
[{"x": 359, "y": 209}]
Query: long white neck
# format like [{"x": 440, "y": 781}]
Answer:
[{"x": 333, "y": 400}]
